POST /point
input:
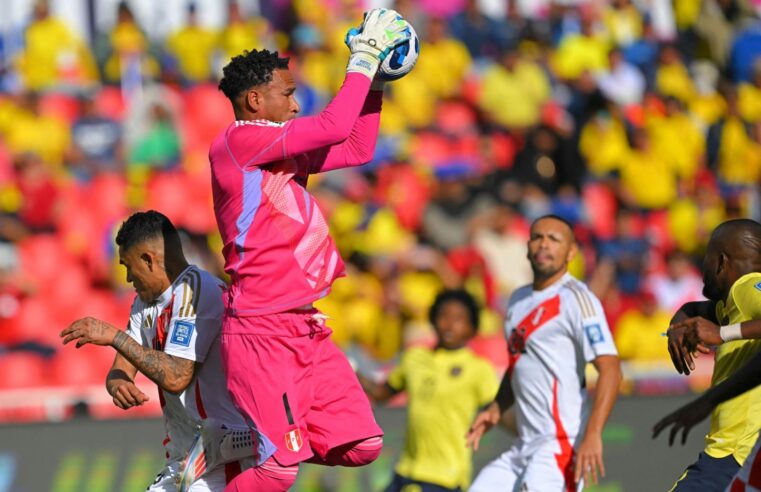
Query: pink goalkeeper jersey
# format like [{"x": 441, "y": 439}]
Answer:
[{"x": 277, "y": 249}]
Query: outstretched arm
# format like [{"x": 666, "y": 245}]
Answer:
[
  {"x": 171, "y": 373},
  {"x": 378, "y": 392},
  {"x": 359, "y": 147},
  {"x": 589, "y": 460}
]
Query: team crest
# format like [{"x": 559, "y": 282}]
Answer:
[
  {"x": 293, "y": 440},
  {"x": 455, "y": 371}
]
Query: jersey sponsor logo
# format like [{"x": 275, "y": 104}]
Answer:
[
  {"x": 293, "y": 440},
  {"x": 183, "y": 332},
  {"x": 594, "y": 334}
]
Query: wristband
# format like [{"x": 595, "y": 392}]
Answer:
[
  {"x": 730, "y": 332},
  {"x": 363, "y": 63}
]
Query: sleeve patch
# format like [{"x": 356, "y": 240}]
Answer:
[
  {"x": 183, "y": 332},
  {"x": 594, "y": 334}
]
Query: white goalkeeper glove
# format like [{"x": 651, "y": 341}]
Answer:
[{"x": 381, "y": 31}]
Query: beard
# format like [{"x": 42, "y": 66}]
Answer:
[{"x": 711, "y": 290}]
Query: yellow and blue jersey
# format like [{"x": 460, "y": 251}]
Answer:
[
  {"x": 445, "y": 389},
  {"x": 735, "y": 423}
]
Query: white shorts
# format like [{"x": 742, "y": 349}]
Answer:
[
  {"x": 213, "y": 481},
  {"x": 518, "y": 470}
]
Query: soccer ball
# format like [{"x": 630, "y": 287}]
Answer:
[{"x": 402, "y": 59}]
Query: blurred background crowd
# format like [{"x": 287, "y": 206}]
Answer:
[{"x": 639, "y": 121}]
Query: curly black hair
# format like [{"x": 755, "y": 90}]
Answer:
[
  {"x": 248, "y": 70},
  {"x": 143, "y": 226},
  {"x": 455, "y": 295}
]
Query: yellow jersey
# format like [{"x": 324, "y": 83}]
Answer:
[
  {"x": 445, "y": 389},
  {"x": 735, "y": 423}
]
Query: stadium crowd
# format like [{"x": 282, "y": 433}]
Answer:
[{"x": 638, "y": 122}]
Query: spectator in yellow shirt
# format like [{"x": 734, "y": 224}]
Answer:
[
  {"x": 129, "y": 48},
  {"x": 638, "y": 332},
  {"x": 749, "y": 95},
  {"x": 648, "y": 180},
  {"x": 623, "y": 22},
  {"x": 603, "y": 143},
  {"x": 241, "y": 33},
  {"x": 586, "y": 51},
  {"x": 513, "y": 91},
  {"x": 677, "y": 139},
  {"x": 53, "y": 54},
  {"x": 443, "y": 79},
  {"x": 672, "y": 77},
  {"x": 192, "y": 47}
]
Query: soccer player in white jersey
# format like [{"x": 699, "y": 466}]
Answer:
[
  {"x": 173, "y": 338},
  {"x": 554, "y": 327}
]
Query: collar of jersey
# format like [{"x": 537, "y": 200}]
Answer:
[{"x": 167, "y": 294}]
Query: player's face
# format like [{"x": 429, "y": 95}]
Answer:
[
  {"x": 453, "y": 325},
  {"x": 711, "y": 281},
  {"x": 143, "y": 272},
  {"x": 277, "y": 100},
  {"x": 550, "y": 247}
]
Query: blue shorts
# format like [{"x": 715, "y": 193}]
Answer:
[
  {"x": 707, "y": 474},
  {"x": 404, "y": 484}
]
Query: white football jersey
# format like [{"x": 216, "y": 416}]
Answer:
[
  {"x": 552, "y": 334},
  {"x": 185, "y": 321}
]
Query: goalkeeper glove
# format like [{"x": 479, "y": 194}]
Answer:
[{"x": 382, "y": 30}]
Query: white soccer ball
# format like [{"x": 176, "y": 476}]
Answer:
[{"x": 402, "y": 59}]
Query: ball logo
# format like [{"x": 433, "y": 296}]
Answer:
[{"x": 293, "y": 440}]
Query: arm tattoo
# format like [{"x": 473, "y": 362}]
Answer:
[{"x": 163, "y": 369}]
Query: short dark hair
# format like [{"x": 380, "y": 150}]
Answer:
[
  {"x": 559, "y": 219},
  {"x": 143, "y": 226},
  {"x": 249, "y": 69},
  {"x": 455, "y": 295}
]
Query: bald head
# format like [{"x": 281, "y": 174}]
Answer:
[
  {"x": 733, "y": 251},
  {"x": 739, "y": 239}
]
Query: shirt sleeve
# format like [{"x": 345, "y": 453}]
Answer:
[
  {"x": 196, "y": 317},
  {"x": 487, "y": 383},
  {"x": 135, "y": 322},
  {"x": 397, "y": 379},
  {"x": 255, "y": 143},
  {"x": 747, "y": 296},
  {"x": 592, "y": 331}
]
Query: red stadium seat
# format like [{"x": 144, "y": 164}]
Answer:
[
  {"x": 455, "y": 117},
  {"x": 491, "y": 347},
  {"x": 86, "y": 365},
  {"x": 22, "y": 370},
  {"x": 109, "y": 101},
  {"x": 35, "y": 321},
  {"x": 40, "y": 256},
  {"x": 61, "y": 106}
]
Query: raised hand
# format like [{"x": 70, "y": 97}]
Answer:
[
  {"x": 382, "y": 30},
  {"x": 89, "y": 330},
  {"x": 690, "y": 335}
]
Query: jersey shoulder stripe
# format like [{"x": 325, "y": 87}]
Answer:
[
  {"x": 191, "y": 293},
  {"x": 582, "y": 298}
]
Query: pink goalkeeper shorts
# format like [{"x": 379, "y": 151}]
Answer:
[{"x": 290, "y": 381}]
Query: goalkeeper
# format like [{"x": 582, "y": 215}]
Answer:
[{"x": 285, "y": 374}]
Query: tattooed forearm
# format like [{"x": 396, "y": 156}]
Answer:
[{"x": 171, "y": 373}]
